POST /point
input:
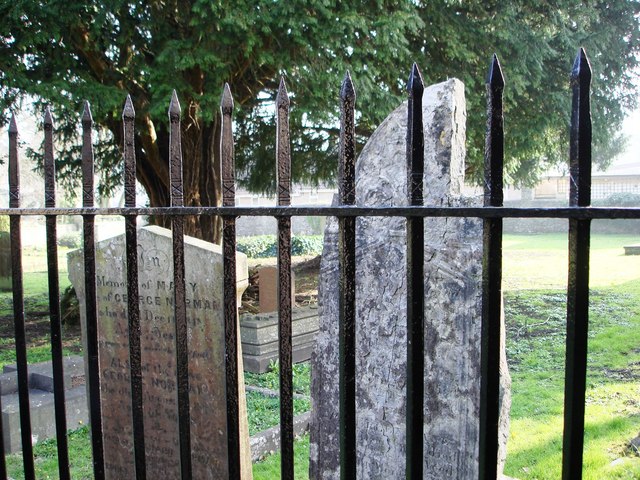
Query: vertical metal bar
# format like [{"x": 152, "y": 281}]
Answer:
[
  {"x": 415, "y": 279},
  {"x": 182, "y": 346},
  {"x": 492, "y": 277},
  {"x": 578, "y": 282},
  {"x": 283, "y": 158},
  {"x": 18, "y": 304},
  {"x": 133, "y": 307},
  {"x": 88, "y": 221},
  {"x": 3, "y": 463},
  {"x": 229, "y": 285},
  {"x": 347, "y": 281},
  {"x": 54, "y": 300}
]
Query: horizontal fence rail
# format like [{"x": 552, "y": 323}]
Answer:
[{"x": 579, "y": 214}]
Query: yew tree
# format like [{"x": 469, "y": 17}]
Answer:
[{"x": 61, "y": 53}]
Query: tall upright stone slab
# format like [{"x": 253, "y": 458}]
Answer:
[
  {"x": 453, "y": 307},
  {"x": 203, "y": 279}
]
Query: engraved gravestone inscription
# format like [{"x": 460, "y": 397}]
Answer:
[{"x": 203, "y": 282}]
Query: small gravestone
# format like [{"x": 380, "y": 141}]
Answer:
[
  {"x": 453, "y": 308},
  {"x": 203, "y": 280},
  {"x": 268, "y": 289}
]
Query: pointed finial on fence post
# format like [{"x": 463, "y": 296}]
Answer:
[
  {"x": 283, "y": 149},
  {"x": 346, "y": 162},
  {"x": 48, "y": 118},
  {"x": 13, "y": 126},
  {"x": 282, "y": 98},
  {"x": 86, "y": 113},
  {"x": 415, "y": 137},
  {"x": 494, "y": 140},
  {"x": 176, "y": 192},
  {"x": 128, "y": 117},
  {"x": 415, "y": 84},
  {"x": 87, "y": 157},
  {"x": 226, "y": 147},
  {"x": 174, "y": 107},
  {"x": 495, "y": 78},
  {"x": 128, "y": 112},
  {"x": 580, "y": 132},
  {"x": 49, "y": 163},
  {"x": 347, "y": 90},
  {"x": 581, "y": 67},
  {"x": 14, "y": 176},
  {"x": 227, "y": 100}
]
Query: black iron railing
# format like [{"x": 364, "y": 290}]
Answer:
[{"x": 579, "y": 214}]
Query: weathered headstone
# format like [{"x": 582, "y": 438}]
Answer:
[
  {"x": 203, "y": 279},
  {"x": 268, "y": 289},
  {"x": 453, "y": 305}
]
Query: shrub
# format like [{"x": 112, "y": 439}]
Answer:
[
  {"x": 621, "y": 199},
  {"x": 69, "y": 307},
  {"x": 70, "y": 240},
  {"x": 263, "y": 246}
]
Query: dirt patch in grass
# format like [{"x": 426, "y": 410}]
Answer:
[{"x": 38, "y": 338}]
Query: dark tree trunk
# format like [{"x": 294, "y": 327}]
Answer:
[{"x": 201, "y": 170}]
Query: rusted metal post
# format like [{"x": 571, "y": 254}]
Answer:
[
  {"x": 18, "y": 304},
  {"x": 180, "y": 308},
  {"x": 229, "y": 285},
  {"x": 578, "y": 281},
  {"x": 88, "y": 221},
  {"x": 415, "y": 279},
  {"x": 283, "y": 158},
  {"x": 347, "y": 280},
  {"x": 133, "y": 305},
  {"x": 54, "y": 300},
  {"x": 492, "y": 277}
]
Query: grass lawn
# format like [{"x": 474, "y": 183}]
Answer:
[
  {"x": 535, "y": 294},
  {"x": 535, "y": 269}
]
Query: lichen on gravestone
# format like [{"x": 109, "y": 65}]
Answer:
[{"x": 453, "y": 306}]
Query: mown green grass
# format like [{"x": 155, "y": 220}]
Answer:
[
  {"x": 269, "y": 469},
  {"x": 535, "y": 310}
]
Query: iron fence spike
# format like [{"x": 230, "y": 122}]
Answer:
[
  {"x": 86, "y": 113},
  {"x": 282, "y": 98},
  {"x": 13, "y": 126},
  {"x": 227, "y": 100},
  {"x": 174, "y": 106},
  {"x": 495, "y": 78},
  {"x": 581, "y": 66},
  {"x": 415, "y": 83},
  {"x": 48, "y": 118},
  {"x": 347, "y": 90},
  {"x": 128, "y": 112}
]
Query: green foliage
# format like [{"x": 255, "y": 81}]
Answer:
[
  {"x": 69, "y": 306},
  {"x": 622, "y": 199},
  {"x": 265, "y": 246},
  {"x": 70, "y": 240},
  {"x": 4, "y": 223},
  {"x": 61, "y": 53},
  {"x": 264, "y": 412},
  {"x": 269, "y": 468},
  {"x": 271, "y": 378}
]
